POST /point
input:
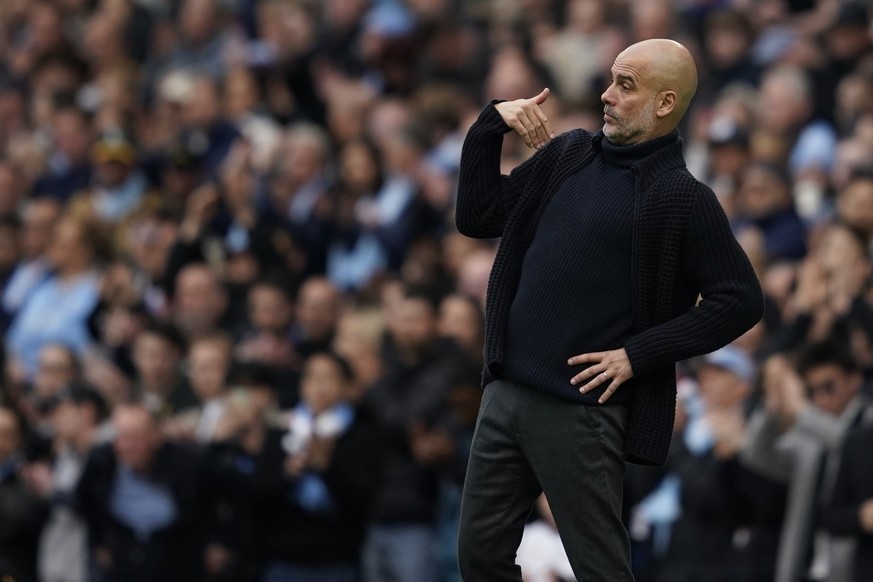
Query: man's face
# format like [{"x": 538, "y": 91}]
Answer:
[
  {"x": 830, "y": 388},
  {"x": 55, "y": 369},
  {"x": 155, "y": 358},
  {"x": 207, "y": 367},
  {"x": 322, "y": 384},
  {"x": 629, "y": 103},
  {"x": 721, "y": 389},
  {"x": 137, "y": 438},
  {"x": 416, "y": 325},
  {"x": 317, "y": 310}
]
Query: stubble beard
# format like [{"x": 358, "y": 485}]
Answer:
[{"x": 626, "y": 130}]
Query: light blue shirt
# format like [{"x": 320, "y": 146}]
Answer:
[
  {"x": 56, "y": 312},
  {"x": 141, "y": 504}
]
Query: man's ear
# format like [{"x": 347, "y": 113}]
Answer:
[{"x": 666, "y": 103}]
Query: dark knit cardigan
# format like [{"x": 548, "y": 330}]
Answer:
[{"x": 683, "y": 248}]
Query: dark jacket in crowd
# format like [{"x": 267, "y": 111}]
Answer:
[
  {"x": 728, "y": 528},
  {"x": 404, "y": 396},
  {"x": 171, "y": 554},
  {"x": 279, "y": 527},
  {"x": 22, "y": 516},
  {"x": 854, "y": 486},
  {"x": 683, "y": 248}
]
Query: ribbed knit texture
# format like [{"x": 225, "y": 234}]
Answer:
[
  {"x": 682, "y": 247},
  {"x": 575, "y": 283}
]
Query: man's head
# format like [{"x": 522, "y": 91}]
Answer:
[
  {"x": 831, "y": 375},
  {"x": 157, "y": 350},
  {"x": 76, "y": 410},
  {"x": 137, "y": 436},
  {"x": 57, "y": 366},
  {"x": 855, "y": 202},
  {"x": 38, "y": 218},
  {"x": 653, "y": 82},
  {"x": 415, "y": 328},
  {"x": 209, "y": 359},
  {"x": 725, "y": 378},
  {"x": 269, "y": 307},
  {"x": 325, "y": 381},
  {"x": 200, "y": 299},
  {"x": 318, "y": 309}
]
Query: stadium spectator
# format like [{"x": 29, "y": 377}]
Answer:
[
  {"x": 147, "y": 501},
  {"x": 796, "y": 437},
  {"x": 74, "y": 253}
]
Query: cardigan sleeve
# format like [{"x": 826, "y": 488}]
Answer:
[
  {"x": 731, "y": 299},
  {"x": 485, "y": 196}
]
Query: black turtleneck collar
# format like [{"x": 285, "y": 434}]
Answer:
[{"x": 628, "y": 155}]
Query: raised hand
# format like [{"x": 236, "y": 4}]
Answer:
[{"x": 527, "y": 119}]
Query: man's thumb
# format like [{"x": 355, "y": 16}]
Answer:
[{"x": 541, "y": 98}]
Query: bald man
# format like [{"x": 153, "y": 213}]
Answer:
[{"x": 607, "y": 242}]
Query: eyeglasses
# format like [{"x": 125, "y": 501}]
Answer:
[{"x": 824, "y": 388}]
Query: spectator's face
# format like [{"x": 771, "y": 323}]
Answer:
[
  {"x": 37, "y": 226},
  {"x": 830, "y": 388},
  {"x": 156, "y": 360},
  {"x": 240, "y": 93},
  {"x": 269, "y": 309},
  {"x": 318, "y": 310},
  {"x": 112, "y": 173},
  {"x": 782, "y": 107},
  {"x": 67, "y": 246},
  {"x": 200, "y": 300},
  {"x": 358, "y": 168},
  {"x": 761, "y": 193},
  {"x": 137, "y": 438},
  {"x": 56, "y": 368},
  {"x": 203, "y": 106},
  {"x": 721, "y": 389},
  {"x": 72, "y": 136},
  {"x": 198, "y": 20},
  {"x": 10, "y": 437},
  {"x": 416, "y": 325},
  {"x": 207, "y": 367},
  {"x": 839, "y": 251},
  {"x": 303, "y": 161},
  {"x": 46, "y": 29},
  {"x": 150, "y": 242},
  {"x": 357, "y": 340},
  {"x": 726, "y": 46},
  {"x": 855, "y": 205},
  {"x": 459, "y": 320},
  {"x": 322, "y": 383},
  {"x": 69, "y": 419},
  {"x": 511, "y": 76}
]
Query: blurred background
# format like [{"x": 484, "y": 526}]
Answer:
[{"x": 242, "y": 336}]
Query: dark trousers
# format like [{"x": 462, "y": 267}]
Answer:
[{"x": 527, "y": 442}]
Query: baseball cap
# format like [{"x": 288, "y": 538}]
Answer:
[
  {"x": 725, "y": 131},
  {"x": 733, "y": 360},
  {"x": 114, "y": 145}
]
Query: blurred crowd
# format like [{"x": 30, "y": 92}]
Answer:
[{"x": 242, "y": 336}]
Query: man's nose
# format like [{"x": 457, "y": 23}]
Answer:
[{"x": 606, "y": 97}]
